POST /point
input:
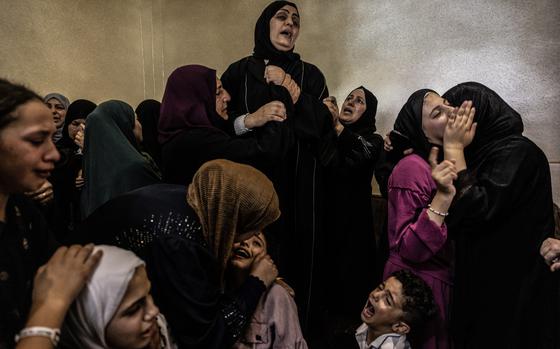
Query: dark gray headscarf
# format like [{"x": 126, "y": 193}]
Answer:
[{"x": 65, "y": 102}]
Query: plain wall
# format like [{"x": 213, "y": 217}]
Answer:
[{"x": 125, "y": 49}]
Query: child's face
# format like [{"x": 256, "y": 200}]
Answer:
[
  {"x": 134, "y": 324},
  {"x": 383, "y": 308},
  {"x": 244, "y": 252}
]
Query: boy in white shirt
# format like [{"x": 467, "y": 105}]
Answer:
[{"x": 400, "y": 303}]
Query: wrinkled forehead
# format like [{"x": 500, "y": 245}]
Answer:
[
  {"x": 358, "y": 92},
  {"x": 289, "y": 9},
  {"x": 432, "y": 98},
  {"x": 54, "y": 100}
]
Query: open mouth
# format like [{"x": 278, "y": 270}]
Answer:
[
  {"x": 287, "y": 33},
  {"x": 150, "y": 331},
  {"x": 369, "y": 309},
  {"x": 43, "y": 173},
  {"x": 347, "y": 110},
  {"x": 241, "y": 252}
]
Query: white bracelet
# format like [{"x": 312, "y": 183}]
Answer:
[
  {"x": 441, "y": 214},
  {"x": 39, "y": 331}
]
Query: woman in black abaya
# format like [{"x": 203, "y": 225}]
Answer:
[
  {"x": 274, "y": 72},
  {"x": 504, "y": 294},
  {"x": 349, "y": 220},
  {"x": 67, "y": 178}
]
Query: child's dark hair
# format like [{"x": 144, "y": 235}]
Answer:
[
  {"x": 419, "y": 304},
  {"x": 12, "y": 96}
]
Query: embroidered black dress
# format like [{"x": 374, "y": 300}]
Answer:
[{"x": 158, "y": 225}]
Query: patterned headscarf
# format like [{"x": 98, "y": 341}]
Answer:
[{"x": 231, "y": 199}]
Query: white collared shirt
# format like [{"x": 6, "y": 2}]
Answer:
[{"x": 386, "y": 341}]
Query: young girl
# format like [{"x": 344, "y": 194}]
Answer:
[
  {"x": 420, "y": 193},
  {"x": 115, "y": 309},
  {"x": 275, "y": 321}
]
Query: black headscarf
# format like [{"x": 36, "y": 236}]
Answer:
[
  {"x": 495, "y": 118},
  {"x": 366, "y": 122},
  {"x": 263, "y": 47},
  {"x": 409, "y": 122},
  {"x": 148, "y": 115},
  {"x": 79, "y": 109}
]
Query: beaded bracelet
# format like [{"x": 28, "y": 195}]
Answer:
[
  {"x": 442, "y": 214},
  {"x": 39, "y": 331}
]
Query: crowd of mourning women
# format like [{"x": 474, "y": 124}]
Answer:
[{"x": 237, "y": 213}]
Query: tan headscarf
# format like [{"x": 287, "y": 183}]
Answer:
[{"x": 231, "y": 199}]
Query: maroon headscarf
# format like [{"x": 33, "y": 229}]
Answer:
[{"x": 189, "y": 101}]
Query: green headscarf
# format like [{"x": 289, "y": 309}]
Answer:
[{"x": 113, "y": 164}]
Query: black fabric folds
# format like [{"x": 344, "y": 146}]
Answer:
[
  {"x": 501, "y": 214},
  {"x": 148, "y": 115},
  {"x": 495, "y": 118},
  {"x": 349, "y": 219},
  {"x": 157, "y": 224},
  {"x": 298, "y": 176}
]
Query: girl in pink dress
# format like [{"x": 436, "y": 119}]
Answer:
[{"x": 420, "y": 191}]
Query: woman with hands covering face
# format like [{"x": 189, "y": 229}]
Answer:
[
  {"x": 502, "y": 211},
  {"x": 68, "y": 179}
]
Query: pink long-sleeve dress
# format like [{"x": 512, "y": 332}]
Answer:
[{"x": 418, "y": 244}]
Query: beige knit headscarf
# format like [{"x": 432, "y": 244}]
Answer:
[{"x": 231, "y": 199}]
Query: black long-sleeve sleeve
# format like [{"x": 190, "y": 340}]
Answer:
[
  {"x": 185, "y": 153},
  {"x": 352, "y": 150}
]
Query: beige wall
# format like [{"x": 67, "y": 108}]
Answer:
[{"x": 125, "y": 49}]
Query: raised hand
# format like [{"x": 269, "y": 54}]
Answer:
[
  {"x": 550, "y": 250},
  {"x": 264, "y": 268},
  {"x": 388, "y": 145},
  {"x": 80, "y": 180},
  {"x": 272, "y": 111},
  {"x": 443, "y": 173},
  {"x": 330, "y": 102},
  {"x": 43, "y": 195},
  {"x": 292, "y": 88},
  {"x": 60, "y": 280},
  {"x": 79, "y": 138},
  {"x": 387, "y": 142},
  {"x": 460, "y": 129},
  {"x": 274, "y": 74}
]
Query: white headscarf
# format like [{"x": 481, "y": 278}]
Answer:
[{"x": 85, "y": 323}]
